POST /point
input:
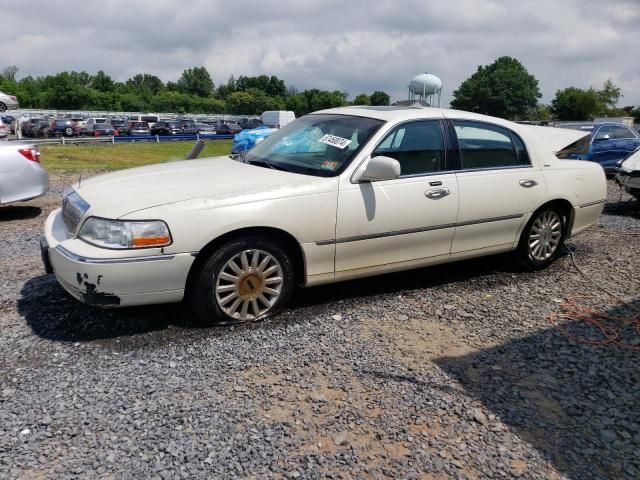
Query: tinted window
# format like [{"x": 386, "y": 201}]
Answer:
[
  {"x": 418, "y": 146},
  {"x": 488, "y": 146},
  {"x": 622, "y": 132},
  {"x": 603, "y": 132}
]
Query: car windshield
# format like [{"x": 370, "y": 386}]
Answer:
[
  {"x": 321, "y": 144},
  {"x": 101, "y": 125},
  {"x": 139, "y": 125}
]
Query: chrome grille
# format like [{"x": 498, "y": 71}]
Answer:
[{"x": 73, "y": 209}]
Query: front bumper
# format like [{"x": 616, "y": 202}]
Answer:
[
  {"x": 110, "y": 278},
  {"x": 629, "y": 181}
]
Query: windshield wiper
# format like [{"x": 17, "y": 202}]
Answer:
[{"x": 265, "y": 163}]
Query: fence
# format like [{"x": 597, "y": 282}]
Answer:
[{"x": 122, "y": 139}]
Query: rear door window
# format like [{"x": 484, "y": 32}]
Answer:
[
  {"x": 483, "y": 145},
  {"x": 622, "y": 132}
]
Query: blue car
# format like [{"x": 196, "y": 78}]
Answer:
[{"x": 608, "y": 144}]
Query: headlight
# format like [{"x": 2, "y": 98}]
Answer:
[{"x": 125, "y": 234}]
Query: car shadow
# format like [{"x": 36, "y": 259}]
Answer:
[
  {"x": 576, "y": 403},
  {"x": 19, "y": 212},
  {"x": 53, "y": 314},
  {"x": 406, "y": 281}
]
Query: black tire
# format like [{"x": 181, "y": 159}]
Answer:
[
  {"x": 3, "y": 107},
  {"x": 527, "y": 254},
  {"x": 204, "y": 299},
  {"x": 68, "y": 132}
]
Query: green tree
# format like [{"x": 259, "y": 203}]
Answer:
[
  {"x": 145, "y": 84},
  {"x": 242, "y": 103},
  {"x": 380, "y": 98},
  {"x": 503, "y": 89},
  {"x": 576, "y": 104},
  {"x": 362, "y": 99},
  {"x": 10, "y": 73},
  {"x": 196, "y": 81},
  {"x": 609, "y": 94},
  {"x": 102, "y": 82}
]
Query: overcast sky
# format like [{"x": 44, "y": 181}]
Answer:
[{"x": 351, "y": 45}]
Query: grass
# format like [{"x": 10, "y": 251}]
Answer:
[{"x": 75, "y": 158}]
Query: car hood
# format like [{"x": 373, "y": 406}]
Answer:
[
  {"x": 632, "y": 163},
  {"x": 117, "y": 194}
]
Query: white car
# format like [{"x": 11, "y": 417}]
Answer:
[
  {"x": 335, "y": 195},
  {"x": 21, "y": 175},
  {"x": 629, "y": 174},
  {"x": 8, "y": 102}
]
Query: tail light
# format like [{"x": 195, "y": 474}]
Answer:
[
  {"x": 15, "y": 99},
  {"x": 30, "y": 154}
]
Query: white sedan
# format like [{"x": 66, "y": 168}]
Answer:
[
  {"x": 22, "y": 177},
  {"x": 335, "y": 195}
]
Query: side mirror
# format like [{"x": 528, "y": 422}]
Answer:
[{"x": 378, "y": 169}]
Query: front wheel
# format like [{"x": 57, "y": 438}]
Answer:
[
  {"x": 542, "y": 238},
  {"x": 248, "y": 279}
]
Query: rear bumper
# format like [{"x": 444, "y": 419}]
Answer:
[{"x": 100, "y": 277}]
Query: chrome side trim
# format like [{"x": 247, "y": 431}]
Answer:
[
  {"x": 590, "y": 204},
  {"x": 416, "y": 230},
  {"x": 79, "y": 258}
]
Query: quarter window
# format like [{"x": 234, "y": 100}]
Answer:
[
  {"x": 417, "y": 146},
  {"x": 488, "y": 146}
]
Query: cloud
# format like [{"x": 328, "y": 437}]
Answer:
[{"x": 356, "y": 46}]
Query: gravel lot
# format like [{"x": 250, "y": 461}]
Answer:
[{"x": 446, "y": 372}]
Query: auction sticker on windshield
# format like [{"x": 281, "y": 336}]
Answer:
[{"x": 334, "y": 141}]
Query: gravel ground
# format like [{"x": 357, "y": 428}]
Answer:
[{"x": 445, "y": 372}]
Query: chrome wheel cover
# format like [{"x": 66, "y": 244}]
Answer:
[
  {"x": 249, "y": 285},
  {"x": 545, "y": 235}
]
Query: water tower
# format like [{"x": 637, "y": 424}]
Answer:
[{"x": 426, "y": 88}]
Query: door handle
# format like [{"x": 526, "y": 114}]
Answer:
[
  {"x": 528, "y": 183},
  {"x": 436, "y": 193}
]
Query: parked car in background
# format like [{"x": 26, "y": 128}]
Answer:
[
  {"x": 4, "y": 129},
  {"x": 188, "y": 126},
  {"x": 250, "y": 123},
  {"x": 335, "y": 195},
  {"x": 166, "y": 128},
  {"x": 607, "y": 144},
  {"x": 204, "y": 129},
  {"x": 118, "y": 123},
  {"x": 277, "y": 118},
  {"x": 150, "y": 118},
  {"x": 21, "y": 175},
  {"x": 137, "y": 128},
  {"x": 628, "y": 174},
  {"x": 65, "y": 127},
  {"x": 10, "y": 121},
  {"x": 88, "y": 126},
  {"x": 228, "y": 128},
  {"x": 100, "y": 129},
  {"x": 36, "y": 128},
  {"x": 8, "y": 102}
]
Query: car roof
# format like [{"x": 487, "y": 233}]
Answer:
[{"x": 403, "y": 112}]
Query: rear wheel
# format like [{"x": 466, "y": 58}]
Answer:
[
  {"x": 248, "y": 279},
  {"x": 68, "y": 132},
  {"x": 542, "y": 238},
  {"x": 3, "y": 107}
]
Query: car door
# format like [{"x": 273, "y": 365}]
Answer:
[
  {"x": 498, "y": 186},
  {"x": 406, "y": 221},
  {"x": 626, "y": 141},
  {"x": 603, "y": 146}
]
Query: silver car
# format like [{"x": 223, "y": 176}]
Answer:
[
  {"x": 22, "y": 177},
  {"x": 8, "y": 102}
]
